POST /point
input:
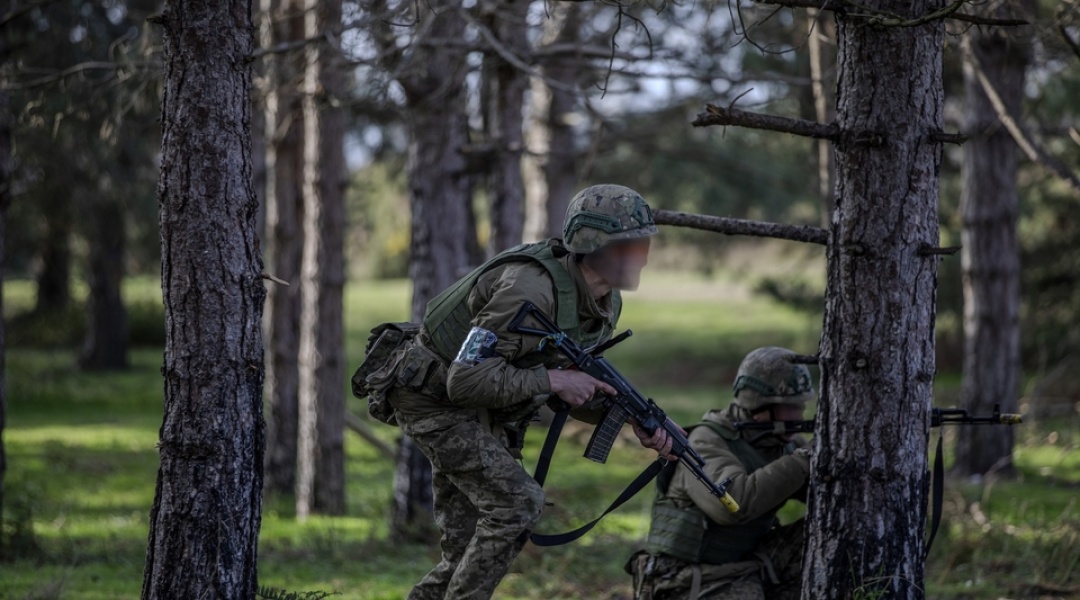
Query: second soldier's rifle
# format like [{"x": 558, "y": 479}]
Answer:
[
  {"x": 938, "y": 417},
  {"x": 628, "y": 403}
]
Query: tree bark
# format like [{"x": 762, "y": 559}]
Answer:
[
  {"x": 204, "y": 524},
  {"x": 561, "y": 169},
  {"x": 440, "y": 193},
  {"x": 282, "y": 23},
  {"x": 551, "y": 167},
  {"x": 507, "y": 86},
  {"x": 320, "y": 474},
  {"x": 869, "y": 478},
  {"x": 6, "y": 120},
  {"x": 440, "y": 199},
  {"x": 990, "y": 259},
  {"x": 826, "y": 167}
]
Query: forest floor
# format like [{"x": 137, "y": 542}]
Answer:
[{"x": 82, "y": 464}]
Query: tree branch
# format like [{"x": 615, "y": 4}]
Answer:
[
  {"x": 1023, "y": 139},
  {"x": 715, "y": 115},
  {"x": 991, "y": 21},
  {"x": 1069, "y": 39},
  {"x": 361, "y": 428},
  {"x": 514, "y": 60},
  {"x": 729, "y": 226},
  {"x": 76, "y": 70},
  {"x": 844, "y": 5},
  {"x": 19, "y": 11}
]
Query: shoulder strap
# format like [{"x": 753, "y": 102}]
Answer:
[
  {"x": 544, "y": 463},
  {"x": 631, "y": 490}
]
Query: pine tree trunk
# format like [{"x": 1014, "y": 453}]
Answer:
[
  {"x": 536, "y": 139},
  {"x": 5, "y": 199},
  {"x": 551, "y": 166},
  {"x": 106, "y": 343},
  {"x": 283, "y": 22},
  {"x": 869, "y": 477},
  {"x": 561, "y": 168},
  {"x": 440, "y": 197},
  {"x": 320, "y": 474},
  {"x": 990, "y": 258},
  {"x": 508, "y": 97},
  {"x": 204, "y": 524},
  {"x": 54, "y": 275}
]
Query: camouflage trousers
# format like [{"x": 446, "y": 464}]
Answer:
[
  {"x": 485, "y": 505},
  {"x": 774, "y": 573}
]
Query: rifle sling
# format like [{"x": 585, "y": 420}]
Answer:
[
  {"x": 544, "y": 463},
  {"x": 937, "y": 494}
]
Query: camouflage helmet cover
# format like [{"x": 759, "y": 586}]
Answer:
[
  {"x": 767, "y": 376},
  {"x": 601, "y": 214}
]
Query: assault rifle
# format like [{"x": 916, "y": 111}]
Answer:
[
  {"x": 628, "y": 403},
  {"x": 938, "y": 418}
]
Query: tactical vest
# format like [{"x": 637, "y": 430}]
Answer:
[
  {"x": 447, "y": 319},
  {"x": 688, "y": 534}
]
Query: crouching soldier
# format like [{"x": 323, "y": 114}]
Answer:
[{"x": 697, "y": 548}]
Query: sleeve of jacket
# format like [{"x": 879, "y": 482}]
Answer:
[
  {"x": 757, "y": 493},
  {"x": 495, "y": 300}
]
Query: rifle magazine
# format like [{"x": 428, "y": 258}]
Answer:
[{"x": 603, "y": 438}]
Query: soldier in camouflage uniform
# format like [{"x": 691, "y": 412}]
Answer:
[
  {"x": 465, "y": 387},
  {"x": 698, "y": 549}
]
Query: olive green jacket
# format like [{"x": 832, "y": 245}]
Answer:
[
  {"x": 514, "y": 382},
  {"x": 757, "y": 493}
]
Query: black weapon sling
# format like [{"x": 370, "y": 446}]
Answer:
[{"x": 544, "y": 464}]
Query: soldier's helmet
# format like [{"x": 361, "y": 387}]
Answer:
[
  {"x": 601, "y": 214},
  {"x": 767, "y": 376}
]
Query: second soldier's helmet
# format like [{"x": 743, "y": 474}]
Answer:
[
  {"x": 767, "y": 376},
  {"x": 601, "y": 214}
]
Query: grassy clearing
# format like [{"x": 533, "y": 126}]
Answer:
[{"x": 82, "y": 465}]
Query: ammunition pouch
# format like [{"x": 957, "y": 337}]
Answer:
[{"x": 375, "y": 376}]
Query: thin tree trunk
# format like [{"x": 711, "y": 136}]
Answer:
[
  {"x": 869, "y": 478},
  {"x": 991, "y": 252},
  {"x": 283, "y": 22},
  {"x": 550, "y": 168},
  {"x": 826, "y": 167},
  {"x": 561, "y": 169},
  {"x": 537, "y": 141},
  {"x": 506, "y": 127},
  {"x": 106, "y": 343},
  {"x": 5, "y": 199},
  {"x": 204, "y": 524},
  {"x": 320, "y": 474},
  {"x": 440, "y": 198},
  {"x": 54, "y": 274}
]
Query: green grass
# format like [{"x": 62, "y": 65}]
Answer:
[{"x": 82, "y": 466}]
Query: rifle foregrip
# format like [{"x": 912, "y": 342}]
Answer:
[{"x": 605, "y": 434}]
